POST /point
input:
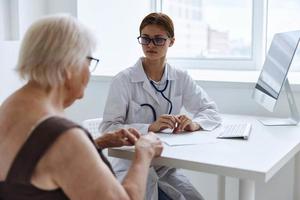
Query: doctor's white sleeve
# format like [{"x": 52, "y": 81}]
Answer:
[
  {"x": 196, "y": 101},
  {"x": 117, "y": 103}
]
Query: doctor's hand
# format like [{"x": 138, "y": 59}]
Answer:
[
  {"x": 148, "y": 146},
  {"x": 119, "y": 138},
  {"x": 186, "y": 124},
  {"x": 164, "y": 122}
]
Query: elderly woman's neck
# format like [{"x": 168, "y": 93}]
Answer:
[{"x": 53, "y": 98}]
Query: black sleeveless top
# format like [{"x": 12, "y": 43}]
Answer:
[{"x": 17, "y": 185}]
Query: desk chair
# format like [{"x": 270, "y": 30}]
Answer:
[{"x": 92, "y": 125}]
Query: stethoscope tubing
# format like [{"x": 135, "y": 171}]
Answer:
[
  {"x": 163, "y": 95},
  {"x": 153, "y": 110}
]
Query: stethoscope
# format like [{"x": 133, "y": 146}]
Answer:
[{"x": 163, "y": 95}]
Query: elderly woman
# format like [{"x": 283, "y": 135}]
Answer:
[{"x": 43, "y": 154}]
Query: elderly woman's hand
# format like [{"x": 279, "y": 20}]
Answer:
[
  {"x": 149, "y": 146},
  {"x": 119, "y": 138}
]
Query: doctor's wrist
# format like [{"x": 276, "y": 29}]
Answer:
[
  {"x": 197, "y": 127},
  {"x": 152, "y": 128}
]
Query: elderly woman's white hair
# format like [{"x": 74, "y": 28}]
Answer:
[{"x": 51, "y": 46}]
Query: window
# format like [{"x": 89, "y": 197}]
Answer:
[
  {"x": 227, "y": 34},
  {"x": 210, "y": 34},
  {"x": 211, "y": 29}
]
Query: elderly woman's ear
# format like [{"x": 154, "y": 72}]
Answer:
[{"x": 67, "y": 78}]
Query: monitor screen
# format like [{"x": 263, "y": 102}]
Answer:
[{"x": 275, "y": 68}]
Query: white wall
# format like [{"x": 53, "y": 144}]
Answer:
[
  {"x": 8, "y": 77},
  {"x": 61, "y": 6},
  {"x": 4, "y": 20}
]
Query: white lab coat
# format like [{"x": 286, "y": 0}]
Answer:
[{"x": 131, "y": 88}]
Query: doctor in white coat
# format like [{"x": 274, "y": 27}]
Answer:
[{"x": 149, "y": 96}]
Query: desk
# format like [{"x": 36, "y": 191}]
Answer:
[{"x": 252, "y": 161}]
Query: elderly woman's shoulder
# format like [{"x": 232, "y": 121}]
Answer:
[
  {"x": 72, "y": 142},
  {"x": 65, "y": 133},
  {"x": 71, "y": 153}
]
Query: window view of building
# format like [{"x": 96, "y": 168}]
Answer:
[{"x": 211, "y": 29}]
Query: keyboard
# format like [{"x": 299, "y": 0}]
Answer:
[{"x": 235, "y": 131}]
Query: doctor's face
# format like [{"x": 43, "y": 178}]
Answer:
[{"x": 155, "y": 34}]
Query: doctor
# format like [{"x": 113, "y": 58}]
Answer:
[{"x": 149, "y": 96}]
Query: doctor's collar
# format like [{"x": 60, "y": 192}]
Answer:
[
  {"x": 163, "y": 79},
  {"x": 138, "y": 74}
]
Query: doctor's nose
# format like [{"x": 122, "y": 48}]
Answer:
[{"x": 151, "y": 44}]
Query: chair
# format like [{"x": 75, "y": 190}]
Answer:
[{"x": 92, "y": 125}]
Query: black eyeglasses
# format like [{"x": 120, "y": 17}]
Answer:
[
  {"x": 93, "y": 63},
  {"x": 157, "y": 41}
]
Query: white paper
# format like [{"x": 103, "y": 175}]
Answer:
[{"x": 188, "y": 138}]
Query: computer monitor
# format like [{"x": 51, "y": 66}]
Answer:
[{"x": 273, "y": 77}]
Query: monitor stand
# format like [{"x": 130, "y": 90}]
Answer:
[{"x": 293, "y": 120}]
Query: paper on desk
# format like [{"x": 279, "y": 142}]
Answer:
[{"x": 188, "y": 138}]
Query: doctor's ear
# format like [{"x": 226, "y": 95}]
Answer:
[{"x": 172, "y": 42}]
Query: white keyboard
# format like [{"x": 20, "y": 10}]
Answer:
[{"x": 238, "y": 131}]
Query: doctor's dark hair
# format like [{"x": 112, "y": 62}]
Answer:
[{"x": 159, "y": 19}]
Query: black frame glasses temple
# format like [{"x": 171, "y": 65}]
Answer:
[{"x": 91, "y": 58}]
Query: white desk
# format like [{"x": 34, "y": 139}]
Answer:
[{"x": 267, "y": 150}]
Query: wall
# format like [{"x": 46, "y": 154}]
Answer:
[{"x": 8, "y": 77}]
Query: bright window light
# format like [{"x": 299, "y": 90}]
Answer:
[{"x": 116, "y": 25}]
